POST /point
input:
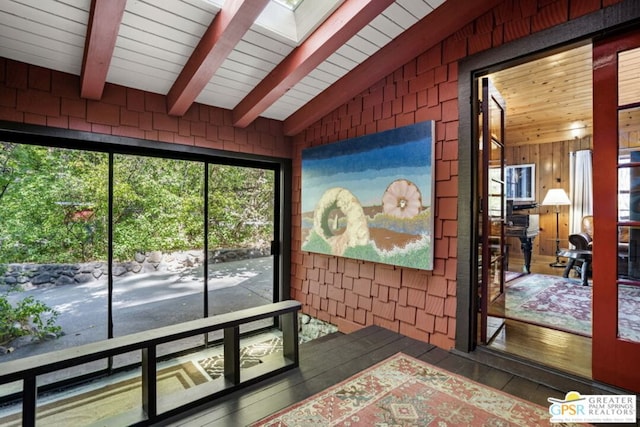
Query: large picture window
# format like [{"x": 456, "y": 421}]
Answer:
[{"x": 107, "y": 243}]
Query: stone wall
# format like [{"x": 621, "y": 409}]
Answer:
[{"x": 29, "y": 276}]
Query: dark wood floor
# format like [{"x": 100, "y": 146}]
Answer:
[{"x": 334, "y": 358}]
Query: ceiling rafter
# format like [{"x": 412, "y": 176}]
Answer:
[
  {"x": 436, "y": 26},
  {"x": 102, "y": 31},
  {"x": 341, "y": 26},
  {"x": 225, "y": 31}
]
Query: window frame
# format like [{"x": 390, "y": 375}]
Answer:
[{"x": 109, "y": 144}]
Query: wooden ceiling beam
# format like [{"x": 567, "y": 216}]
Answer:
[
  {"x": 226, "y": 30},
  {"x": 102, "y": 31},
  {"x": 426, "y": 33},
  {"x": 343, "y": 24}
]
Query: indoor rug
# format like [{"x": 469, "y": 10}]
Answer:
[
  {"x": 564, "y": 304},
  {"x": 404, "y": 391},
  {"x": 86, "y": 408}
]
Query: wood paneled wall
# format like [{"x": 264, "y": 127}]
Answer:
[{"x": 552, "y": 171}]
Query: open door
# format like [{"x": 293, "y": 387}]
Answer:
[
  {"x": 493, "y": 210},
  {"x": 616, "y": 187}
]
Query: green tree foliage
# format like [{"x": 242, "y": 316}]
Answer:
[
  {"x": 54, "y": 205},
  {"x": 27, "y": 317},
  {"x": 240, "y": 206},
  {"x": 43, "y": 187}
]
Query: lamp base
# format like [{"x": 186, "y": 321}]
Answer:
[{"x": 558, "y": 264}]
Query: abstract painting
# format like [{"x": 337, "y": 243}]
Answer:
[{"x": 370, "y": 198}]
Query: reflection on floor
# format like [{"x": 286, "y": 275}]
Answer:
[{"x": 252, "y": 352}]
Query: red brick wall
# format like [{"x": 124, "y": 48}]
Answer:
[
  {"x": 353, "y": 294},
  {"x": 35, "y": 95}
]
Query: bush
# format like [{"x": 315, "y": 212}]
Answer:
[{"x": 27, "y": 317}]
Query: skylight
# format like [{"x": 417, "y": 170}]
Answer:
[
  {"x": 289, "y": 4},
  {"x": 292, "y": 19}
]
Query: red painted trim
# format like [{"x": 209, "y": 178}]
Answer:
[
  {"x": 225, "y": 31},
  {"x": 343, "y": 24},
  {"x": 611, "y": 356},
  {"x": 426, "y": 33},
  {"x": 102, "y": 31}
]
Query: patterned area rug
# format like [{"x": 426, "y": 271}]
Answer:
[
  {"x": 250, "y": 355},
  {"x": 565, "y": 304},
  {"x": 403, "y": 391}
]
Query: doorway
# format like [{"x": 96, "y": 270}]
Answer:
[
  {"x": 561, "y": 38},
  {"x": 545, "y": 307},
  {"x": 567, "y": 302}
]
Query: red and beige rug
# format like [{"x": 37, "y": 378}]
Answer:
[
  {"x": 565, "y": 304},
  {"x": 404, "y": 391}
]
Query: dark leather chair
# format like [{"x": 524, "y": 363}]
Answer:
[{"x": 581, "y": 256}]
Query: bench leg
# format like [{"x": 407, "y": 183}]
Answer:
[
  {"x": 289, "y": 322},
  {"x": 232, "y": 354}
]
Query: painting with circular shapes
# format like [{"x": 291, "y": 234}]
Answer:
[{"x": 371, "y": 197}]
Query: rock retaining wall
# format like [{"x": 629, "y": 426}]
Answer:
[{"x": 37, "y": 275}]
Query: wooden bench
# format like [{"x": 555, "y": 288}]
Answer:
[{"x": 29, "y": 368}]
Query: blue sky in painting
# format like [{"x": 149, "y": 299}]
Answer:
[{"x": 368, "y": 164}]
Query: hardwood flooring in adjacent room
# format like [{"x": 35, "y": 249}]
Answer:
[
  {"x": 560, "y": 350},
  {"x": 539, "y": 264}
]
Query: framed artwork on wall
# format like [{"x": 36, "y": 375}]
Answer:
[
  {"x": 370, "y": 198},
  {"x": 521, "y": 182}
]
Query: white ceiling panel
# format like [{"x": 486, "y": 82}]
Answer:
[
  {"x": 146, "y": 78},
  {"x": 400, "y": 16},
  {"x": 418, "y": 8},
  {"x": 156, "y": 39},
  {"x": 375, "y": 36},
  {"x": 387, "y": 27}
]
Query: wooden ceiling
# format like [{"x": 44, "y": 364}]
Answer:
[{"x": 549, "y": 99}]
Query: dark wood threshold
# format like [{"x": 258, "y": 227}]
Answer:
[{"x": 547, "y": 376}]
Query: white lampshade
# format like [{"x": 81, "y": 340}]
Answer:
[{"x": 556, "y": 197}]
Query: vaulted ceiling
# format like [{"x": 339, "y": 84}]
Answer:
[{"x": 254, "y": 57}]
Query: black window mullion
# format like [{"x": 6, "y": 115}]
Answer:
[{"x": 110, "y": 256}]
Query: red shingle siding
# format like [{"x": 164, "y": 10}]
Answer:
[
  {"x": 35, "y": 95},
  {"x": 348, "y": 293},
  {"x": 422, "y": 304}
]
